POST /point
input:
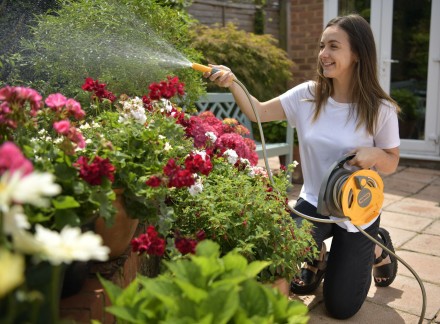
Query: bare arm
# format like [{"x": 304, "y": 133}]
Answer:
[
  {"x": 267, "y": 111},
  {"x": 384, "y": 160}
]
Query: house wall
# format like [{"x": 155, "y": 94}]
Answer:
[{"x": 306, "y": 18}]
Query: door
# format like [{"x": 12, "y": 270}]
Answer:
[{"x": 409, "y": 65}]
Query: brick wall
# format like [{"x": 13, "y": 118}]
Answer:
[{"x": 305, "y": 30}]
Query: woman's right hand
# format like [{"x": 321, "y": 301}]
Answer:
[{"x": 223, "y": 77}]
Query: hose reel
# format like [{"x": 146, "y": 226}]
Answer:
[{"x": 357, "y": 195}]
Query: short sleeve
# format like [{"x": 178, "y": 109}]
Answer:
[{"x": 387, "y": 134}]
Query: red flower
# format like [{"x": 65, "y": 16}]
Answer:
[
  {"x": 182, "y": 178},
  {"x": 186, "y": 245},
  {"x": 98, "y": 89},
  {"x": 153, "y": 182},
  {"x": 166, "y": 89},
  {"x": 149, "y": 242},
  {"x": 197, "y": 163},
  {"x": 94, "y": 172},
  {"x": 201, "y": 235}
]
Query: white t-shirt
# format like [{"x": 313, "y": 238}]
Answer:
[{"x": 332, "y": 136}]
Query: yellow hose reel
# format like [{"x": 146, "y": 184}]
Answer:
[{"x": 357, "y": 195}]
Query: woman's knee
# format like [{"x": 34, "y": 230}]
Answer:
[{"x": 342, "y": 308}]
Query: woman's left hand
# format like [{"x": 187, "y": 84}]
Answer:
[
  {"x": 384, "y": 161},
  {"x": 365, "y": 157}
]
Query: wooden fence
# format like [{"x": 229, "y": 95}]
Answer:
[{"x": 242, "y": 14}]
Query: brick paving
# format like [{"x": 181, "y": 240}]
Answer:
[{"x": 411, "y": 213}]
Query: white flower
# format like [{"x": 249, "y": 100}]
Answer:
[
  {"x": 161, "y": 137},
  {"x": 167, "y": 147},
  {"x": 211, "y": 136},
  {"x": 196, "y": 188},
  {"x": 11, "y": 271},
  {"x": 15, "y": 220},
  {"x": 64, "y": 247},
  {"x": 84, "y": 126},
  {"x": 246, "y": 162},
  {"x": 34, "y": 188},
  {"x": 231, "y": 156},
  {"x": 295, "y": 163},
  {"x": 202, "y": 154}
]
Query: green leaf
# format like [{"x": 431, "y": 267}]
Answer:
[
  {"x": 192, "y": 292},
  {"x": 253, "y": 299},
  {"x": 256, "y": 267},
  {"x": 208, "y": 248},
  {"x": 66, "y": 217},
  {"x": 65, "y": 202},
  {"x": 222, "y": 303},
  {"x": 112, "y": 290}
]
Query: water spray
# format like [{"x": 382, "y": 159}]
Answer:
[{"x": 349, "y": 196}]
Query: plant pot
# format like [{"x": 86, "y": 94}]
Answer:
[
  {"x": 117, "y": 236},
  {"x": 282, "y": 285},
  {"x": 75, "y": 276}
]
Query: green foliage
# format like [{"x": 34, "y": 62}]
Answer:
[
  {"x": 137, "y": 154},
  {"x": 241, "y": 213},
  {"x": 256, "y": 60},
  {"x": 127, "y": 44},
  {"x": 204, "y": 289},
  {"x": 408, "y": 103}
]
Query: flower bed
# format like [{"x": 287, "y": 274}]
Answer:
[{"x": 188, "y": 177}]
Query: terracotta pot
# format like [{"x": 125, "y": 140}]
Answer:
[
  {"x": 118, "y": 236},
  {"x": 282, "y": 285}
]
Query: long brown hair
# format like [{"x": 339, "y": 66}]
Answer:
[{"x": 366, "y": 92}]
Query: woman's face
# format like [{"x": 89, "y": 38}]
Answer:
[{"x": 336, "y": 58}]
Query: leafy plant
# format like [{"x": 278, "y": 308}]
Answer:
[
  {"x": 256, "y": 60},
  {"x": 408, "y": 103},
  {"x": 206, "y": 288},
  {"x": 244, "y": 213},
  {"x": 128, "y": 43}
]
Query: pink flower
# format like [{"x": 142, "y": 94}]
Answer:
[
  {"x": 76, "y": 137},
  {"x": 62, "y": 127},
  {"x": 74, "y": 108},
  {"x": 238, "y": 144},
  {"x": 56, "y": 101},
  {"x": 19, "y": 96},
  {"x": 12, "y": 159}
]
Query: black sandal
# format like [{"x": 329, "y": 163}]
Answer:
[
  {"x": 311, "y": 275},
  {"x": 388, "y": 270}
]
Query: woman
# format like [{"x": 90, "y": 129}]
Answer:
[{"x": 345, "y": 111}]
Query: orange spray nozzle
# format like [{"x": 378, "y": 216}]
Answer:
[{"x": 203, "y": 68}]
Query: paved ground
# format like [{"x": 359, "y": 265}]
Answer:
[{"x": 411, "y": 213}]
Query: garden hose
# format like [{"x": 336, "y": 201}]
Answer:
[{"x": 350, "y": 196}]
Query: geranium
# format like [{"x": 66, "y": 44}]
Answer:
[
  {"x": 43, "y": 136},
  {"x": 149, "y": 243}
]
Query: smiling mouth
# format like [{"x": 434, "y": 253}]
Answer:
[{"x": 327, "y": 64}]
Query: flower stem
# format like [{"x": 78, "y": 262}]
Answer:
[{"x": 55, "y": 293}]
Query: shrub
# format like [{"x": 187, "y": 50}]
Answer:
[
  {"x": 127, "y": 43},
  {"x": 256, "y": 60}
]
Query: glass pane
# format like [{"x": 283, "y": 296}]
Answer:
[
  {"x": 361, "y": 7},
  {"x": 410, "y": 48}
]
